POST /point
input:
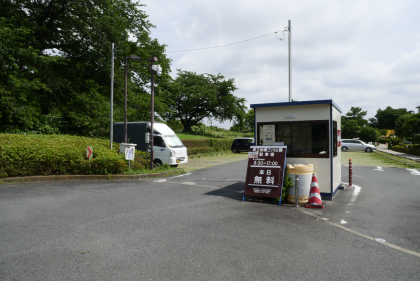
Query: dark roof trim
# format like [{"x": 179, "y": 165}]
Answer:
[{"x": 297, "y": 103}]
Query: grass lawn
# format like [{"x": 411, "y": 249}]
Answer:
[
  {"x": 211, "y": 160},
  {"x": 376, "y": 159}
]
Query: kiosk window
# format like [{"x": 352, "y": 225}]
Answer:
[
  {"x": 304, "y": 139},
  {"x": 334, "y": 138}
]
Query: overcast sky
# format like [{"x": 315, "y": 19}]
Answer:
[{"x": 357, "y": 53}]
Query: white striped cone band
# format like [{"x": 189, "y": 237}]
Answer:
[{"x": 315, "y": 199}]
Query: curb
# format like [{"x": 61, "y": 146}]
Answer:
[
  {"x": 87, "y": 177},
  {"x": 400, "y": 154},
  {"x": 397, "y": 159}
]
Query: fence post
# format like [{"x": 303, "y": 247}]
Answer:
[
  {"x": 350, "y": 173},
  {"x": 296, "y": 191}
]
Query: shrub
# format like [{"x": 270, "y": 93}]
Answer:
[
  {"x": 31, "y": 155},
  {"x": 368, "y": 134},
  {"x": 414, "y": 151},
  {"x": 196, "y": 146}
]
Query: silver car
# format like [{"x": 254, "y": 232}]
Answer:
[{"x": 356, "y": 144}]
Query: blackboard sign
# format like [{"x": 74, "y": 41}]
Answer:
[{"x": 264, "y": 176}]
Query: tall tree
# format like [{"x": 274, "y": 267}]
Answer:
[
  {"x": 192, "y": 97},
  {"x": 399, "y": 123},
  {"x": 388, "y": 117},
  {"x": 357, "y": 114},
  {"x": 78, "y": 35},
  {"x": 411, "y": 125}
]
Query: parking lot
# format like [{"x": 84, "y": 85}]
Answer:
[{"x": 195, "y": 227}]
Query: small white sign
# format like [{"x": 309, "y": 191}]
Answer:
[
  {"x": 290, "y": 116},
  {"x": 252, "y": 154},
  {"x": 129, "y": 153},
  {"x": 269, "y": 134}
]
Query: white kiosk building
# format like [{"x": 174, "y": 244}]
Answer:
[{"x": 312, "y": 132}]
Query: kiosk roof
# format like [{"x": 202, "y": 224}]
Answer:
[{"x": 297, "y": 103}]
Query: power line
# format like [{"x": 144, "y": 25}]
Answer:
[{"x": 222, "y": 45}]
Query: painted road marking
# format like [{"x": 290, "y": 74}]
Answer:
[
  {"x": 379, "y": 169},
  {"x": 355, "y": 193},
  {"x": 180, "y": 176},
  {"x": 363, "y": 235},
  {"x": 414, "y": 172}
]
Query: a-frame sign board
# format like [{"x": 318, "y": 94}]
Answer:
[{"x": 264, "y": 176}]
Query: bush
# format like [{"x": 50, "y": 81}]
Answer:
[
  {"x": 287, "y": 183},
  {"x": 368, "y": 134},
  {"x": 199, "y": 150},
  {"x": 414, "y": 151},
  {"x": 32, "y": 155},
  {"x": 195, "y": 146}
]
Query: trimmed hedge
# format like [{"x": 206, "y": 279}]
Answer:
[
  {"x": 33, "y": 155},
  {"x": 414, "y": 151},
  {"x": 207, "y": 145}
]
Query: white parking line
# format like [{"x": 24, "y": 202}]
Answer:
[
  {"x": 379, "y": 169},
  {"x": 414, "y": 172},
  {"x": 355, "y": 193},
  {"x": 382, "y": 241}
]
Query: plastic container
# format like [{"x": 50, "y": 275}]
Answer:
[{"x": 305, "y": 178}]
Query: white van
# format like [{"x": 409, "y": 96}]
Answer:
[{"x": 167, "y": 147}]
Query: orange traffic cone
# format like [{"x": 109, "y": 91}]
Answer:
[{"x": 315, "y": 200}]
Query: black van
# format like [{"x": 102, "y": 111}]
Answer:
[{"x": 242, "y": 144}]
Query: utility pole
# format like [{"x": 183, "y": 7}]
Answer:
[
  {"x": 125, "y": 103},
  {"x": 152, "y": 110},
  {"x": 111, "y": 129},
  {"x": 290, "y": 60}
]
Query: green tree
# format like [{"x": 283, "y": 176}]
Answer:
[
  {"x": 373, "y": 122},
  {"x": 246, "y": 124},
  {"x": 388, "y": 117},
  {"x": 399, "y": 124},
  {"x": 411, "y": 125},
  {"x": 78, "y": 36},
  {"x": 382, "y": 132},
  {"x": 350, "y": 130},
  {"x": 249, "y": 120},
  {"x": 19, "y": 78},
  {"x": 191, "y": 97},
  {"x": 355, "y": 113},
  {"x": 368, "y": 134}
]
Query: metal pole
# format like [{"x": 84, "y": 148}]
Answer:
[
  {"x": 152, "y": 110},
  {"x": 297, "y": 191},
  {"x": 125, "y": 103},
  {"x": 111, "y": 129},
  {"x": 290, "y": 61}
]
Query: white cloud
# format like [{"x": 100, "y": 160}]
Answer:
[{"x": 358, "y": 53}]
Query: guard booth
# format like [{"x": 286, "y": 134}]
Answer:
[{"x": 311, "y": 130}]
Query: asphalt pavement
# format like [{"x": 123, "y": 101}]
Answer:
[{"x": 196, "y": 227}]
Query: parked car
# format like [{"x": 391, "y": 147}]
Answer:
[
  {"x": 355, "y": 144},
  {"x": 242, "y": 144}
]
